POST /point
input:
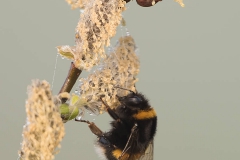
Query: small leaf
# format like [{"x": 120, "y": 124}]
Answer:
[
  {"x": 66, "y": 52},
  {"x": 74, "y": 99},
  {"x": 64, "y": 109},
  {"x": 74, "y": 112},
  {"x": 68, "y": 112}
]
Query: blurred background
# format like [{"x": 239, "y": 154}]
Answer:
[{"x": 190, "y": 61}]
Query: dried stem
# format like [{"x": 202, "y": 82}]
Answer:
[{"x": 70, "y": 80}]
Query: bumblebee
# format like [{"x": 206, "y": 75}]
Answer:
[{"x": 133, "y": 128}]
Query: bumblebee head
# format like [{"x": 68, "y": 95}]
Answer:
[{"x": 134, "y": 101}]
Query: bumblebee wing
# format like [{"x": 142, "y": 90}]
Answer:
[
  {"x": 131, "y": 144},
  {"x": 134, "y": 144},
  {"x": 148, "y": 155}
]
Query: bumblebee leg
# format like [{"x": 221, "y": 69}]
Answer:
[
  {"x": 95, "y": 130},
  {"x": 129, "y": 142},
  {"x": 110, "y": 111}
]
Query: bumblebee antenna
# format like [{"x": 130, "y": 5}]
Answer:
[
  {"x": 125, "y": 89},
  {"x": 110, "y": 111}
]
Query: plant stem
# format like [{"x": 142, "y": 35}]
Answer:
[{"x": 70, "y": 80}]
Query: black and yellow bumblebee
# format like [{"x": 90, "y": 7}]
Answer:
[{"x": 133, "y": 130}]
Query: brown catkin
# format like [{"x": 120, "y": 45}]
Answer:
[
  {"x": 98, "y": 22},
  {"x": 44, "y": 128},
  {"x": 120, "y": 68}
]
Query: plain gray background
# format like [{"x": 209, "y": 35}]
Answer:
[{"x": 190, "y": 61}]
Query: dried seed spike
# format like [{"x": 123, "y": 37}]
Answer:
[{"x": 44, "y": 128}]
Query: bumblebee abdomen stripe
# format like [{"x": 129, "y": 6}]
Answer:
[
  {"x": 117, "y": 153},
  {"x": 145, "y": 114}
]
